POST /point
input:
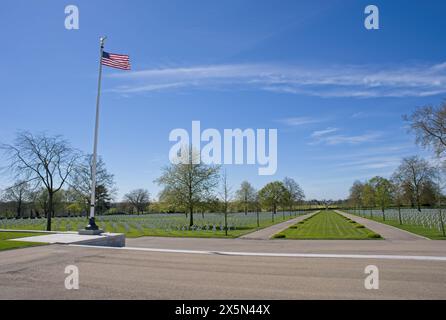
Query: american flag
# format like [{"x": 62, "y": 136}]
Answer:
[{"x": 114, "y": 60}]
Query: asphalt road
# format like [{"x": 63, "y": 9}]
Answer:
[
  {"x": 232, "y": 269},
  {"x": 38, "y": 273}
]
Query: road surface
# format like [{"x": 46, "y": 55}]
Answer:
[{"x": 38, "y": 273}]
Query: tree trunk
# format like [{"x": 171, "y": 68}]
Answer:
[
  {"x": 418, "y": 200},
  {"x": 384, "y": 216},
  {"x": 19, "y": 209},
  {"x": 191, "y": 214},
  {"x": 226, "y": 222},
  {"x": 399, "y": 215},
  {"x": 258, "y": 223},
  {"x": 442, "y": 223},
  {"x": 50, "y": 211}
]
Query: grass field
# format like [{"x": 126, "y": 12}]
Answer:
[
  {"x": 430, "y": 233},
  {"x": 8, "y": 245},
  {"x": 166, "y": 225},
  {"x": 327, "y": 225},
  {"x": 425, "y": 223}
]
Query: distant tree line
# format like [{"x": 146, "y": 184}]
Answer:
[{"x": 53, "y": 179}]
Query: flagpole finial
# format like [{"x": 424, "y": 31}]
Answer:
[{"x": 102, "y": 40}]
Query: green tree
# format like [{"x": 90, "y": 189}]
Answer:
[
  {"x": 271, "y": 196},
  {"x": 368, "y": 196},
  {"x": 356, "y": 194},
  {"x": 189, "y": 181},
  {"x": 383, "y": 193},
  {"x": 295, "y": 193},
  {"x": 245, "y": 195}
]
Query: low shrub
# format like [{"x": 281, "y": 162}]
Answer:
[
  {"x": 373, "y": 236},
  {"x": 279, "y": 236},
  {"x": 360, "y": 226}
]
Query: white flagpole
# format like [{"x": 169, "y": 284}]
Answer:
[{"x": 92, "y": 224}]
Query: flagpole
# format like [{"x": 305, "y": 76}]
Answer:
[{"x": 92, "y": 224}]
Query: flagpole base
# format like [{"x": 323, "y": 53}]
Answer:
[{"x": 91, "y": 229}]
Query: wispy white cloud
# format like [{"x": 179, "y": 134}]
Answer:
[
  {"x": 336, "y": 139},
  {"x": 360, "y": 114},
  {"x": 146, "y": 88},
  {"x": 380, "y": 160},
  {"x": 324, "y": 81},
  {"x": 300, "y": 121},
  {"x": 371, "y": 162},
  {"x": 319, "y": 133}
]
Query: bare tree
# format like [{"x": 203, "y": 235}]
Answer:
[
  {"x": 429, "y": 125},
  {"x": 189, "y": 181},
  {"x": 398, "y": 196},
  {"x": 225, "y": 197},
  {"x": 18, "y": 193},
  {"x": 414, "y": 172},
  {"x": 81, "y": 178},
  {"x": 295, "y": 193},
  {"x": 46, "y": 160},
  {"x": 139, "y": 199}
]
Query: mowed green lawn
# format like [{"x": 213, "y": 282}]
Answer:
[
  {"x": 327, "y": 225},
  {"x": 7, "y": 245},
  {"x": 433, "y": 234},
  {"x": 163, "y": 225}
]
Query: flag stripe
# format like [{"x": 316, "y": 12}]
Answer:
[
  {"x": 115, "y": 60},
  {"x": 126, "y": 67}
]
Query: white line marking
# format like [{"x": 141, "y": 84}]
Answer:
[{"x": 268, "y": 254}]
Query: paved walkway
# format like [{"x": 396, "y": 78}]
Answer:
[
  {"x": 267, "y": 233},
  {"x": 386, "y": 231},
  {"x": 107, "y": 239}
]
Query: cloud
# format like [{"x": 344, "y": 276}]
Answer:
[
  {"x": 319, "y": 133},
  {"x": 363, "y": 81},
  {"x": 324, "y": 137},
  {"x": 300, "y": 121},
  {"x": 352, "y": 139},
  {"x": 382, "y": 160},
  {"x": 146, "y": 88},
  {"x": 374, "y": 162},
  {"x": 360, "y": 114}
]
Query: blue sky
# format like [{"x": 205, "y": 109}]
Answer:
[{"x": 334, "y": 90}]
